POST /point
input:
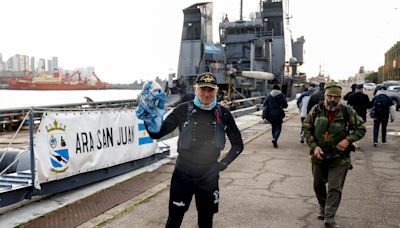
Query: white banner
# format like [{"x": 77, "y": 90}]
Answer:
[{"x": 74, "y": 142}]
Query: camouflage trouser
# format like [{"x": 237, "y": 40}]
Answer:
[{"x": 333, "y": 176}]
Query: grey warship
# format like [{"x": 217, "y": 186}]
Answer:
[{"x": 250, "y": 56}]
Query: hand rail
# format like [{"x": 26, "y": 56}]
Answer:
[{"x": 30, "y": 113}]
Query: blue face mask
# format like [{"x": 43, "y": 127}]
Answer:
[{"x": 198, "y": 103}]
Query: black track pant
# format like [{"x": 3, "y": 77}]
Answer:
[{"x": 206, "y": 192}]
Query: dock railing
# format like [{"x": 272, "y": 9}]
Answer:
[{"x": 6, "y": 149}]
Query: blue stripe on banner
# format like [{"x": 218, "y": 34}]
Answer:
[
  {"x": 141, "y": 127},
  {"x": 145, "y": 140}
]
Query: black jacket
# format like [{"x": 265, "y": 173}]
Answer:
[
  {"x": 275, "y": 104},
  {"x": 360, "y": 102},
  {"x": 203, "y": 150},
  {"x": 315, "y": 99}
]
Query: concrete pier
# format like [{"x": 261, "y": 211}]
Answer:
[{"x": 263, "y": 187}]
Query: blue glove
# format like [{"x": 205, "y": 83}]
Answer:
[{"x": 151, "y": 106}]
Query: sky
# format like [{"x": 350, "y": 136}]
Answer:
[{"x": 126, "y": 41}]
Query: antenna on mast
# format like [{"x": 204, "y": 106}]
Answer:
[{"x": 241, "y": 10}]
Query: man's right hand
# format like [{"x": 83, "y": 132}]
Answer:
[{"x": 318, "y": 152}]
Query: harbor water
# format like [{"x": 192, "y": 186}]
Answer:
[{"x": 10, "y": 99}]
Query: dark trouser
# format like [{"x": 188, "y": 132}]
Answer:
[
  {"x": 378, "y": 122},
  {"x": 301, "y": 129},
  {"x": 276, "y": 129},
  {"x": 206, "y": 191},
  {"x": 333, "y": 176}
]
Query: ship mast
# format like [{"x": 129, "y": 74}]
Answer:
[{"x": 241, "y": 10}]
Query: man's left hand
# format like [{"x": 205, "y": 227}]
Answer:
[{"x": 342, "y": 145}]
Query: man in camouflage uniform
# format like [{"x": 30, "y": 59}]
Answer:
[{"x": 329, "y": 130}]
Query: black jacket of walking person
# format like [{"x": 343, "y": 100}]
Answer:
[
  {"x": 316, "y": 97},
  {"x": 380, "y": 112},
  {"x": 360, "y": 102},
  {"x": 353, "y": 90},
  {"x": 274, "y": 105}
]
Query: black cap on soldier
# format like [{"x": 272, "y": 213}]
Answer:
[
  {"x": 206, "y": 80},
  {"x": 359, "y": 86}
]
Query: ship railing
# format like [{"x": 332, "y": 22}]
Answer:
[
  {"x": 22, "y": 177},
  {"x": 9, "y": 146},
  {"x": 10, "y": 118},
  {"x": 13, "y": 152}
]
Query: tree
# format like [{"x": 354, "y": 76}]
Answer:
[{"x": 372, "y": 77}]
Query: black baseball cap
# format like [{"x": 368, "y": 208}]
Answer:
[{"x": 206, "y": 80}]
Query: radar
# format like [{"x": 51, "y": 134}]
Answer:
[
  {"x": 293, "y": 60},
  {"x": 252, "y": 16}
]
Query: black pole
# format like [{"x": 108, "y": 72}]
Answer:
[{"x": 241, "y": 10}]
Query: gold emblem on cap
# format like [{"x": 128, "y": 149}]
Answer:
[{"x": 207, "y": 78}]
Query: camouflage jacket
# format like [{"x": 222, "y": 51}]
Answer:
[{"x": 318, "y": 132}]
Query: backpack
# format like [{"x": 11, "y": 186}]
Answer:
[{"x": 379, "y": 107}]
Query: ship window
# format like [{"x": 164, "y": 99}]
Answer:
[
  {"x": 258, "y": 52},
  {"x": 222, "y": 34},
  {"x": 192, "y": 31}
]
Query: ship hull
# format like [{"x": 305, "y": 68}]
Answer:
[{"x": 19, "y": 85}]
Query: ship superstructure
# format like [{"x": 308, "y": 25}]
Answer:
[{"x": 251, "y": 55}]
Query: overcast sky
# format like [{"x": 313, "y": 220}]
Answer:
[{"x": 126, "y": 40}]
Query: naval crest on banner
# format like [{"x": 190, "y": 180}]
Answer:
[{"x": 57, "y": 146}]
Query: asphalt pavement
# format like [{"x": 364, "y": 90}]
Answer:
[{"x": 267, "y": 187}]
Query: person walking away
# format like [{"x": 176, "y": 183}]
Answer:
[
  {"x": 330, "y": 129},
  {"x": 274, "y": 105},
  {"x": 302, "y": 103},
  {"x": 202, "y": 125},
  {"x": 316, "y": 97},
  {"x": 351, "y": 92},
  {"x": 382, "y": 106},
  {"x": 360, "y": 102}
]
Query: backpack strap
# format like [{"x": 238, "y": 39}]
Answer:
[
  {"x": 345, "y": 114},
  {"x": 220, "y": 113}
]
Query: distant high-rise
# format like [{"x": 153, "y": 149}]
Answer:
[
  {"x": 2, "y": 64},
  {"x": 55, "y": 62},
  {"x": 41, "y": 65},
  {"x": 50, "y": 66},
  {"x": 33, "y": 66},
  {"x": 18, "y": 63}
]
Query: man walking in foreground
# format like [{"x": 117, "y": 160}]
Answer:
[
  {"x": 202, "y": 124},
  {"x": 329, "y": 129}
]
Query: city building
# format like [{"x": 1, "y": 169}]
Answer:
[{"x": 391, "y": 67}]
